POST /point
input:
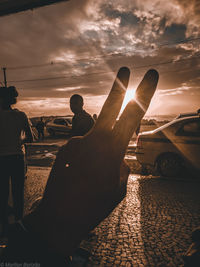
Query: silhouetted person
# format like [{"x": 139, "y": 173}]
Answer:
[
  {"x": 82, "y": 121},
  {"x": 13, "y": 123},
  {"x": 40, "y": 128}
]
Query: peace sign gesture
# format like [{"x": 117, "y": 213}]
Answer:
[{"x": 89, "y": 176}]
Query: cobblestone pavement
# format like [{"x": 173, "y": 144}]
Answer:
[{"x": 151, "y": 227}]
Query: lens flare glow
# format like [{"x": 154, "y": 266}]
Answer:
[{"x": 130, "y": 95}]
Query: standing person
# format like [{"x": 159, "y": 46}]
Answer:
[
  {"x": 82, "y": 121},
  {"x": 40, "y": 128},
  {"x": 14, "y": 124}
]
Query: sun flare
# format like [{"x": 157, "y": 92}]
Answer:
[{"x": 130, "y": 94}]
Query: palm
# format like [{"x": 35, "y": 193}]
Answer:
[{"x": 88, "y": 189}]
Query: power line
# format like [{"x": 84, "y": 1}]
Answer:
[
  {"x": 95, "y": 82},
  {"x": 62, "y": 77},
  {"x": 104, "y": 72},
  {"x": 167, "y": 62},
  {"x": 98, "y": 56},
  {"x": 30, "y": 66}
]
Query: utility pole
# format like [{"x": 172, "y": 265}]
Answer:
[{"x": 4, "y": 74}]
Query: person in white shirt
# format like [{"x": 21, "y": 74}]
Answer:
[{"x": 14, "y": 132}]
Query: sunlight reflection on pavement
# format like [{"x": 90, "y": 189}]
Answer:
[{"x": 119, "y": 235}]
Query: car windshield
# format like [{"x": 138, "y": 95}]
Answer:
[
  {"x": 173, "y": 122},
  {"x": 164, "y": 126}
]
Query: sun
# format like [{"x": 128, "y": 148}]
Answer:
[{"x": 130, "y": 94}]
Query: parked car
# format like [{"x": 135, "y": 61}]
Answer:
[
  {"x": 171, "y": 148},
  {"x": 197, "y": 113},
  {"x": 62, "y": 125},
  {"x": 186, "y": 115}
]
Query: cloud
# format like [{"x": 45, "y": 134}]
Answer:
[
  {"x": 67, "y": 89},
  {"x": 81, "y": 44},
  {"x": 176, "y": 91},
  {"x": 175, "y": 32}
]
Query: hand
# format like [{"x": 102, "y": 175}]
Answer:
[{"x": 89, "y": 176}]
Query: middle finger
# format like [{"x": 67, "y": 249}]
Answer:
[{"x": 114, "y": 101}]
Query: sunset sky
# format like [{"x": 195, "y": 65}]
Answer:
[{"x": 78, "y": 46}]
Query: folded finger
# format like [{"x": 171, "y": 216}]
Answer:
[
  {"x": 114, "y": 101},
  {"x": 135, "y": 110}
]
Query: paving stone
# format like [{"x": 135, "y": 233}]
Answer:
[
  {"x": 153, "y": 224},
  {"x": 150, "y": 227}
]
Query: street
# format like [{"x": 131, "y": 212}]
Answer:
[{"x": 151, "y": 226}]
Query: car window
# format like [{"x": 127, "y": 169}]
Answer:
[{"x": 191, "y": 128}]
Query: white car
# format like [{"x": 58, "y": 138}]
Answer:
[
  {"x": 62, "y": 125},
  {"x": 171, "y": 148}
]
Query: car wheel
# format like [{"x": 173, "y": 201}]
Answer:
[
  {"x": 170, "y": 165},
  {"x": 51, "y": 132}
]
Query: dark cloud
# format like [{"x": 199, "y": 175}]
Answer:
[
  {"x": 174, "y": 32},
  {"x": 126, "y": 18}
]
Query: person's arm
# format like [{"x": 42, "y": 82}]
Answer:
[
  {"x": 89, "y": 176},
  {"x": 27, "y": 130},
  {"x": 75, "y": 126},
  {"x": 91, "y": 123},
  {"x": 72, "y": 129}
]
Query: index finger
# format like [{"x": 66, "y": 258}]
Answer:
[{"x": 114, "y": 100}]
